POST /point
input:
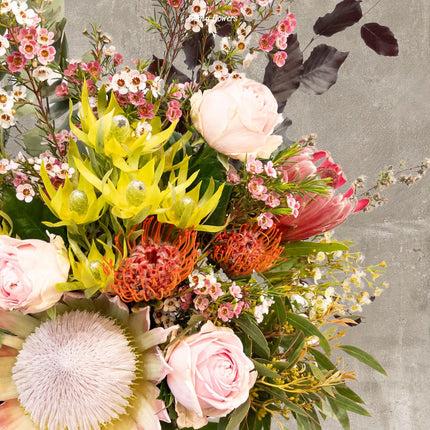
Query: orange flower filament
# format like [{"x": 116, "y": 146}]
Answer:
[
  {"x": 155, "y": 266},
  {"x": 250, "y": 249}
]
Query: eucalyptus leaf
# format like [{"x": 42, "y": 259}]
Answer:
[
  {"x": 238, "y": 415},
  {"x": 307, "y": 248},
  {"x": 251, "y": 328},
  {"x": 33, "y": 141},
  {"x": 340, "y": 414},
  {"x": 301, "y": 323},
  {"x": 349, "y": 405},
  {"x": 363, "y": 356}
]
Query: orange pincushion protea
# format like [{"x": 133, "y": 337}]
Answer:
[
  {"x": 250, "y": 249},
  {"x": 154, "y": 266}
]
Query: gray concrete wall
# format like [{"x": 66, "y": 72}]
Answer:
[{"x": 377, "y": 114}]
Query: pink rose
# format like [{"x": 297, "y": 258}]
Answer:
[
  {"x": 237, "y": 117},
  {"x": 29, "y": 271},
  {"x": 211, "y": 375}
]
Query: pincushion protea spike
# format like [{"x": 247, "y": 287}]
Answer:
[
  {"x": 317, "y": 213},
  {"x": 156, "y": 263},
  {"x": 250, "y": 249}
]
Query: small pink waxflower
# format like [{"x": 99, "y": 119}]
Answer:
[
  {"x": 175, "y": 3},
  {"x": 281, "y": 41},
  {"x": 118, "y": 58},
  {"x": 235, "y": 291},
  {"x": 270, "y": 170},
  {"x": 46, "y": 54},
  {"x": 25, "y": 192},
  {"x": 272, "y": 200},
  {"x": 253, "y": 165},
  {"x": 279, "y": 58},
  {"x": 45, "y": 37},
  {"x": 173, "y": 114},
  {"x": 62, "y": 90},
  {"x": 233, "y": 177},
  {"x": 27, "y": 34},
  {"x": 238, "y": 307},
  {"x": 201, "y": 303},
  {"x": 16, "y": 62},
  {"x": 294, "y": 205},
  {"x": 215, "y": 290},
  {"x": 28, "y": 48},
  {"x": 225, "y": 312},
  {"x": 265, "y": 220},
  {"x": 146, "y": 111},
  {"x": 93, "y": 68},
  {"x": 137, "y": 98},
  {"x": 256, "y": 187},
  {"x": 266, "y": 42}
]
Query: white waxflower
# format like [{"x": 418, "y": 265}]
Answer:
[
  {"x": 198, "y": 7},
  {"x": 4, "y": 44},
  {"x": 7, "y": 119},
  {"x": 42, "y": 73},
  {"x": 218, "y": 68},
  {"x": 109, "y": 51},
  {"x": 6, "y": 100},
  {"x": 119, "y": 82},
  {"x": 157, "y": 87},
  {"x": 136, "y": 81},
  {"x": 194, "y": 23},
  {"x": 142, "y": 128},
  {"x": 243, "y": 30},
  {"x": 19, "y": 92},
  {"x": 25, "y": 192}
]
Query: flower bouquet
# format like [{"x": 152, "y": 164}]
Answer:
[{"x": 166, "y": 254}]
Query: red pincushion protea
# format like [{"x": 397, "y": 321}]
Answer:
[
  {"x": 239, "y": 253},
  {"x": 156, "y": 264},
  {"x": 317, "y": 213}
]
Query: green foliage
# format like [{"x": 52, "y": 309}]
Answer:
[
  {"x": 28, "y": 218},
  {"x": 363, "y": 356}
]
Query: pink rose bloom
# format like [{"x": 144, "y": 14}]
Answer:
[
  {"x": 30, "y": 269},
  {"x": 237, "y": 117},
  {"x": 211, "y": 375}
]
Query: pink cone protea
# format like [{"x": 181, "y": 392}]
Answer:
[{"x": 317, "y": 213}]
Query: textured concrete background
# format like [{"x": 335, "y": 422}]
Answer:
[{"x": 377, "y": 114}]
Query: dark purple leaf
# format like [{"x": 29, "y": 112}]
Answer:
[
  {"x": 193, "y": 47},
  {"x": 223, "y": 28},
  {"x": 320, "y": 69},
  {"x": 283, "y": 81},
  {"x": 174, "y": 73},
  {"x": 380, "y": 39},
  {"x": 282, "y": 127},
  {"x": 345, "y": 14}
]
